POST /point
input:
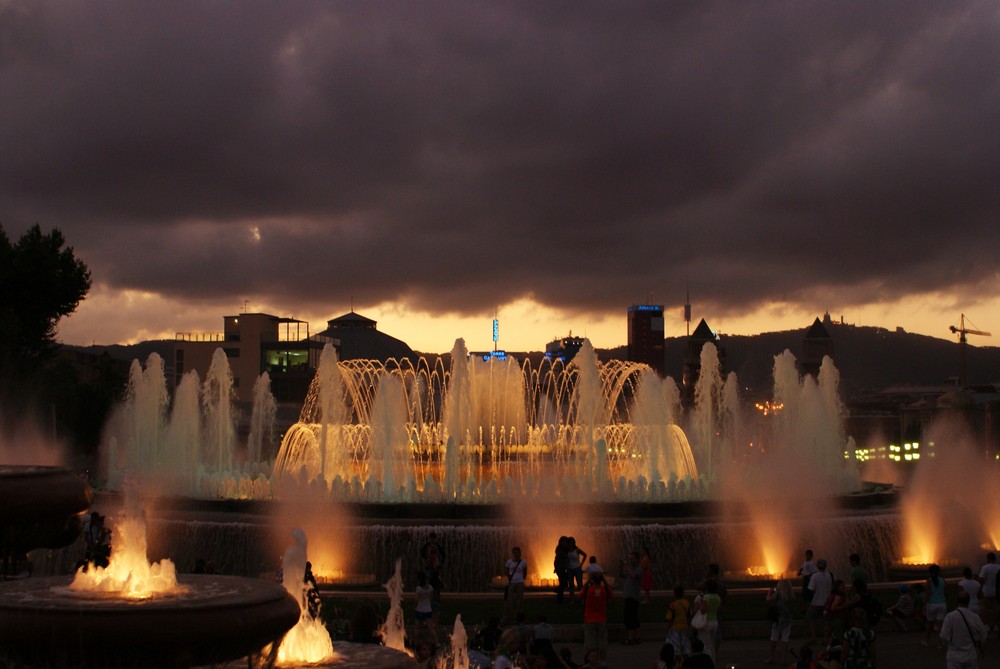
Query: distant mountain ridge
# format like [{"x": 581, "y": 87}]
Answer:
[{"x": 869, "y": 358}]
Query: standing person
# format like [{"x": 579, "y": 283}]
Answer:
[
  {"x": 990, "y": 603},
  {"x": 964, "y": 632},
  {"x": 858, "y": 651},
  {"x": 631, "y": 591},
  {"x": 781, "y": 622},
  {"x": 936, "y": 606},
  {"x": 713, "y": 573},
  {"x": 857, "y": 571},
  {"x": 820, "y": 585},
  {"x": 710, "y": 605},
  {"x": 647, "y": 574},
  {"x": 837, "y": 613},
  {"x": 425, "y": 607},
  {"x": 595, "y": 595},
  {"x": 432, "y": 555},
  {"x": 806, "y": 571},
  {"x": 517, "y": 572},
  {"x": 559, "y": 566},
  {"x": 974, "y": 588},
  {"x": 574, "y": 566},
  {"x": 679, "y": 624}
]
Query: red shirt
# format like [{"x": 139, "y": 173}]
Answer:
[{"x": 595, "y": 602}]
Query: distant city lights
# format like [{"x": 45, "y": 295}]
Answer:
[
  {"x": 908, "y": 452},
  {"x": 767, "y": 408}
]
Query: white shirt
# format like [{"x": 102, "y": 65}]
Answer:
[
  {"x": 971, "y": 586},
  {"x": 516, "y": 569},
  {"x": 989, "y": 575},
  {"x": 821, "y": 583},
  {"x": 424, "y": 596},
  {"x": 955, "y": 632}
]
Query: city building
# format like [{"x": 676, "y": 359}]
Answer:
[
  {"x": 359, "y": 339},
  {"x": 816, "y": 345},
  {"x": 255, "y": 343},
  {"x": 564, "y": 349},
  {"x": 645, "y": 336}
]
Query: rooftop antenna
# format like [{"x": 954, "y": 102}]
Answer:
[
  {"x": 246, "y": 306},
  {"x": 687, "y": 308}
]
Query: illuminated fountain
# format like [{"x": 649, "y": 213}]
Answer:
[
  {"x": 488, "y": 438},
  {"x": 133, "y": 613},
  {"x": 950, "y": 510},
  {"x": 487, "y": 432}
]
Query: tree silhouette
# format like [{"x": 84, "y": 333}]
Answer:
[{"x": 41, "y": 281}]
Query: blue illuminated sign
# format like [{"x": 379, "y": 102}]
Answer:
[{"x": 496, "y": 330}]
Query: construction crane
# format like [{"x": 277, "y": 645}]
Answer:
[{"x": 963, "y": 343}]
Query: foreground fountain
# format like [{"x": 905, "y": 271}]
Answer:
[{"x": 133, "y": 613}]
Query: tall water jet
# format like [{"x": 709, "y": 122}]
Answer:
[
  {"x": 220, "y": 422},
  {"x": 707, "y": 404},
  {"x": 660, "y": 445},
  {"x": 184, "y": 435},
  {"x": 308, "y": 641},
  {"x": 591, "y": 415},
  {"x": 389, "y": 443},
  {"x": 146, "y": 402},
  {"x": 330, "y": 404},
  {"x": 394, "y": 628},
  {"x": 459, "y": 652},
  {"x": 261, "y": 439},
  {"x": 458, "y": 416}
]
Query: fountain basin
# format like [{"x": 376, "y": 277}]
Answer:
[
  {"x": 366, "y": 656},
  {"x": 217, "y": 619},
  {"x": 40, "y": 507}
]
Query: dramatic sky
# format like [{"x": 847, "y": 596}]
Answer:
[{"x": 432, "y": 162}]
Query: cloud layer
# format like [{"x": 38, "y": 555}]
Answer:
[{"x": 454, "y": 154}]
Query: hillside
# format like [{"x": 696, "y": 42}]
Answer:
[{"x": 868, "y": 358}]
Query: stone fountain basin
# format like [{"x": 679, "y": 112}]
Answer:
[
  {"x": 219, "y": 618},
  {"x": 40, "y": 506}
]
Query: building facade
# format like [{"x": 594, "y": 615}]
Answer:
[
  {"x": 253, "y": 344},
  {"x": 645, "y": 336}
]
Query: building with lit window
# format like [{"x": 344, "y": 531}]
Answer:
[
  {"x": 645, "y": 336},
  {"x": 256, "y": 343}
]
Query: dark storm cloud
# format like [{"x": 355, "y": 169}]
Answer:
[{"x": 455, "y": 153}]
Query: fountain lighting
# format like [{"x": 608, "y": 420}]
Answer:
[
  {"x": 457, "y": 655},
  {"x": 949, "y": 509},
  {"x": 479, "y": 432},
  {"x": 339, "y": 578},
  {"x": 394, "y": 627},
  {"x": 129, "y": 573},
  {"x": 308, "y": 641}
]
